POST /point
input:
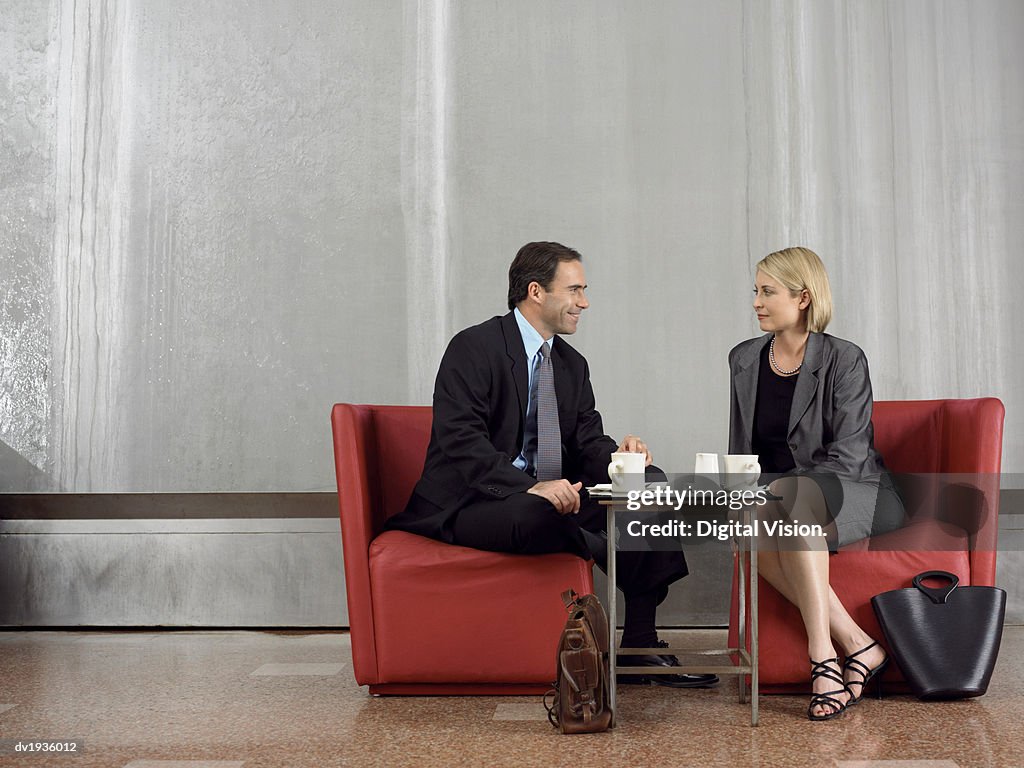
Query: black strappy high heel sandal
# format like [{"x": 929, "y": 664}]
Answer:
[
  {"x": 858, "y": 667},
  {"x": 827, "y": 699}
]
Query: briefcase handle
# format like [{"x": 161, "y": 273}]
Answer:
[{"x": 937, "y": 596}]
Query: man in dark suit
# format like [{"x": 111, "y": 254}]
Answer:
[{"x": 480, "y": 485}]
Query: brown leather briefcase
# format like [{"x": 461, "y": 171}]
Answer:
[{"x": 578, "y": 703}]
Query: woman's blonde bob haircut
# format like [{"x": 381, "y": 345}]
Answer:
[{"x": 800, "y": 269}]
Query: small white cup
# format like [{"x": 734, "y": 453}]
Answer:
[
  {"x": 742, "y": 471},
  {"x": 627, "y": 472},
  {"x": 706, "y": 465}
]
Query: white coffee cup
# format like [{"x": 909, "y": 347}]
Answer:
[
  {"x": 627, "y": 472},
  {"x": 742, "y": 470},
  {"x": 706, "y": 465}
]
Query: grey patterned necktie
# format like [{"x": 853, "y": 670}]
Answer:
[{"x": 549, "y": 435}]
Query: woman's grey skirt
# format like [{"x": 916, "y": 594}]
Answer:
[{"x": 860, "y": 509}]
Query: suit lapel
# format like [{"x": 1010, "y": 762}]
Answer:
[
  {"x": 747, "y": 370},
  {"x": 806, "y": 381},
  {"x": 517, "y": 363},
  {"x": 558, "y": 368}
]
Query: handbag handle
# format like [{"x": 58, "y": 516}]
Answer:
[{"x": 937, "y": 596}]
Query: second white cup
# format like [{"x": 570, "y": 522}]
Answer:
[{"x": 741, "y": 470}]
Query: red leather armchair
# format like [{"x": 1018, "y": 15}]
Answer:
[
  {"x": 946, "y": 531},
  {"x": 428, "y": 617}
]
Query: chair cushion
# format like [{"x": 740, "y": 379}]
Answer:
[{"x": 444, "y": 613}]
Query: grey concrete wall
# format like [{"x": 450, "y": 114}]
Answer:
[
  {"x": 176, "y": 573},
  {"x": 216, "y": 220}
]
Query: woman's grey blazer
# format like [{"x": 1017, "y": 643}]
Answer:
[{"x": 830, "y": 421}]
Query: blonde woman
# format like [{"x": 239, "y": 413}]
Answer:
[{"x": 801, "y": 400}]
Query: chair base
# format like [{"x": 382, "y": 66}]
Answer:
[{"x": 459, "y": 689}]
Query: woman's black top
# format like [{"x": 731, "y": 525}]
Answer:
[{"x": 771, "y": 418}]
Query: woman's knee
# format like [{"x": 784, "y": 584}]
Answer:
[
  {"x": 783, "y": 528},
  {"x": 802, "y": 500}
]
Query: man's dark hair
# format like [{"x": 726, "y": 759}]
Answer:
[{"x": 536, "y": 262}]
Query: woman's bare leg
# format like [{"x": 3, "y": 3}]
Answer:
[{"x": 799, "y": 569}]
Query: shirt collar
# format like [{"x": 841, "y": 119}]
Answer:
[{"x": 532, "y": 341}]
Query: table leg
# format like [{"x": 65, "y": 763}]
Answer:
[
  {"x": 612, "y": 617},
  {"x": 741, "y": 573},
  {"x": 754, "y": 683}
]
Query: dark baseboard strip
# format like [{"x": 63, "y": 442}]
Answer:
[
  {"x": 338, "y": 630},
  {"x": 165, "y": 506}
]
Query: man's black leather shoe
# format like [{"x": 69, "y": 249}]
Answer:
[{"x": 660, "y": 660}]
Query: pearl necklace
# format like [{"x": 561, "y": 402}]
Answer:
[{"x": 775, "y": 365}]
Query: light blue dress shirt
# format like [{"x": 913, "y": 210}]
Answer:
[{"x": 532, "y": 342}]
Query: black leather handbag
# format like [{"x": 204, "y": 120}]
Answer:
[{"x": 945, "y": 639}]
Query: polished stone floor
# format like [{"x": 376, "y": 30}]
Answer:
[{"x": 232, "y": 699}]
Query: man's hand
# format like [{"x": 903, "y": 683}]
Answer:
[
  {"x": 563, "y": 494},
  {"x": 633, "y": 444}
]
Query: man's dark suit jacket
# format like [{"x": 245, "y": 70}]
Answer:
[{"x": 480, "y": 400}]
